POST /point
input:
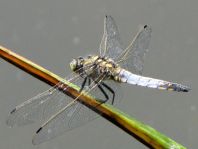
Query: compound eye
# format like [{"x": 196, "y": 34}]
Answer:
[{"x": 73, "y": 64}]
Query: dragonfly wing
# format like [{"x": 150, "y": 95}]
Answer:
[
  {"x": 40, "y": 107},
  {"x": 111, "y": 45},
  {"x": 133, "y": 56},
  {"x": 73, "y": 115},
  {"x": 36, "y": 108}
]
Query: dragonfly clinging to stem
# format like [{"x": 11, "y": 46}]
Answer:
[{"x": 95, "y": 74}]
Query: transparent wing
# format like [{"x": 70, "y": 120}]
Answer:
[
  {"x": 42, "y": 106},
  {"x": 133, "y": 56},
  {"x": 110, "y": 45},
  {"x": 66, "y": 120},
  {"x": 73, "y": 115}
]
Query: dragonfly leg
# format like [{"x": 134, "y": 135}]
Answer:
[
  {"x": 101, "y": 89},
  {"x": 83, "y": 84},
  {"x": 104, "y": 93},
  {"x": 110, "y": 89},
  {"x": 89, "y": 81}
]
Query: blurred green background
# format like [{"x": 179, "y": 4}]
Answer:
[{"x": 51, "y": 33}]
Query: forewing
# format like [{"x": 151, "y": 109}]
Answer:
[
  {"x": 110, "y": 44},
  {"x": 134, "y": 55},
  {"x": 40, "y": 107}
]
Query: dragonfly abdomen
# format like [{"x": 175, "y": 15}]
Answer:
[{"x": 130, "y": 78}]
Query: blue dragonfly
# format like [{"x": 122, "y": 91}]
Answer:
[{"x": 99, "y": 75}]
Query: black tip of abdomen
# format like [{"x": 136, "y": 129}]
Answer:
[{"x": 180, "y": 88}]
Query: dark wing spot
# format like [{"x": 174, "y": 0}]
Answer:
[
  {"x": 145, "y": 26},
  {"x": 39, "y": 130},
  {"x": 13, "y": 111}
]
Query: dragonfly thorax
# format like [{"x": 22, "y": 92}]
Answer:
[{"x": 94, "y": 66}]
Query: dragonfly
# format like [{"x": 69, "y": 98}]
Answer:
[{"x": 100, "y": 75}]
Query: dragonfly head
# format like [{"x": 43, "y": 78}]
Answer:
[{"x": 73, "y": 64}]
